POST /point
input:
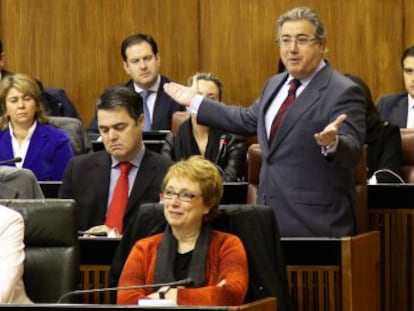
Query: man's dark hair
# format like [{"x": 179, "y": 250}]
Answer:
[
  {"x": 1, "y": 47},
  {"x": 121, "y": 97},
  {"x": 135, "y": 39},
  {"x": 407, "y": 52}
]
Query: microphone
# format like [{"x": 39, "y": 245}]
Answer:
[
  {"x": 13, "y": 160},
  {"x": 373, "y": 180},
  {"x": 183, "y": 282},
  {"x": 222, "y": 145}
]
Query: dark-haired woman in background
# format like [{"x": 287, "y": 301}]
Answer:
[{"x": 227, "y": 151}]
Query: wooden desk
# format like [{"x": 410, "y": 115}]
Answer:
[
  {"x": 267, "y": 304},
  {"x": 334, "y": 274},
  {"x": 391, "y": 211},
  {"x": 324, "y": 274}
]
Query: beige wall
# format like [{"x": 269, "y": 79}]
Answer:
[{"x": 74, "y": 44}]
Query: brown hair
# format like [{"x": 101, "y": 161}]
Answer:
[
  {"x": 203, "y": 172},
  {"x": 28, "y": 86}
]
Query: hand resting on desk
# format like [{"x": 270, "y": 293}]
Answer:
[{"x": 101, "y": 230}]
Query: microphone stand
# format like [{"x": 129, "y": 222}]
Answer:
[{"x": 183, "y": 282}]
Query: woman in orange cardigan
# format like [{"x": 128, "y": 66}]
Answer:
[{"x": 188, "y": 248}]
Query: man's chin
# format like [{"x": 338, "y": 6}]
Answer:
[{"x": 120, "y": 156}]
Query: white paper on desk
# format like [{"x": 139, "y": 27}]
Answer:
[{"x": 156, "y": 302}]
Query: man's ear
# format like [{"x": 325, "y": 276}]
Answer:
[
  {"x": 126, "y": 67},
  {"x": 140, "y": 121}
]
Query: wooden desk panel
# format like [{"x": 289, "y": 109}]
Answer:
[
  {"x": 342, "y": 274},
  {"x": 397, "y": 256}
]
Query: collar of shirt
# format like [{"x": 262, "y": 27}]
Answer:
[
  {"x": 115, "y": 172},
  {"x": 21, "y": 150},
  {"x": 135, "y": 161},
  {"x": 410, "y": 101},
  {"x": 151, "y": 97},
  {"x": 283, "y": 92},
  {"x": 304, "y": 82},
  {"x": 29, "y": 133},
  {"x": 154, "y": 88}
]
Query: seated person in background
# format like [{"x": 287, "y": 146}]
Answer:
[
  {"x": 399, "y": 108},
  {"x": 24, "y": 131},
  {"x": 18, "y": 183},
  {"x": 141, "y": 61},
  {"x": 189, "y": 248},
  {"x": 384, "y": 153},
  {"x": 3, "y": 72},
  {"x": 11, "y": 257},
  {"x": 110, "y": 185},
  {"x": 227, "y": 151}
]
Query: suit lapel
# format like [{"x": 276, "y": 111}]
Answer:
[
  {"x": 268, "y": 96},
  {"x": 143, "y": 179},
  {"x": 37, "y": 142},
  {"x": 102, "y": 172},
  {"x": 303, "y": 103},
  {"x": 160, "y": 107},
  {"x": 402, "y": 111},
  {"x": 6, "y": 150}
]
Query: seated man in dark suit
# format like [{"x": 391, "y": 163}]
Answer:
[
  {"x": 109, "y": 186},
  {"x": 398, "y": 109},
  {"x": 141, "y": 62}
]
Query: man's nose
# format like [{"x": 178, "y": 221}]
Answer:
[{"x": 112, "y": 134}]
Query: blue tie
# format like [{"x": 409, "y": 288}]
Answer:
[{"x": 147, "y": 116}]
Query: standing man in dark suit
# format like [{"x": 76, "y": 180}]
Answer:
[
  {"x": 91, "y": 179},
  {"x": 141, "y": 61},
  {"x": 307, "y": 168},
  {"x": 398, "y": 109}
]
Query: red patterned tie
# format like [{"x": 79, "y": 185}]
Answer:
[
  {"x": 116, "y": 211},
  {"x": 280, "y": 115}
]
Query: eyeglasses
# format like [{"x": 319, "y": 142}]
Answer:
[
  {"x": 184, "y": 196},
  {"x": 287, "y": 41}
]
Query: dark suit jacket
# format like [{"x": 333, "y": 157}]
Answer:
[
  {"x": 164, "y": 107},
  {"x": 48, "y": 154},
  {"x": 59, "y": 104},
  {"x": 87, "y": 179},
  {"x": 384, "y": 151},
  {"x": 311, "y": 195},
  {"x": 394, "y": 108}
]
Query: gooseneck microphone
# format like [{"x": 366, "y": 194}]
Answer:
[
  {"x": 183, "y": 282},
  {"x": 13, "y": 160},
  {"x": 222, "y": 145},
  {"x": 374, "y": 180}
]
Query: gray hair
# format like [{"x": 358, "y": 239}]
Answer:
[{"x": 303, "y": 13}]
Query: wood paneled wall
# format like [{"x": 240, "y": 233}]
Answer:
[{"x": 75, "y": 44}]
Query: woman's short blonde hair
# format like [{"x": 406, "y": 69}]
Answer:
[
  {"x": 205, "y": 174},
  {"x": 28, "y": 86}
]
